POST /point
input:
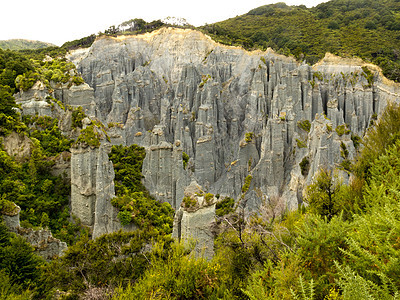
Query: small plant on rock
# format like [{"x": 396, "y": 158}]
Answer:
[
  {"x": 305, "y": 125},
  {"x": 304, "y": 166},
  {"x": 249, "y": 137}
]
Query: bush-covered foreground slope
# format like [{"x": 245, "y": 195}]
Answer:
[{"x": 369, "y": 29}]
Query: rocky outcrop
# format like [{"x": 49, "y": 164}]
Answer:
[
  {"x": 92, "y": 188},
  {"x": 10, "y": 216},
  {"x": 42, "y": 240},
  {"x": 194, "y": 222},
  {"x": 44, "y": 101},
  {"x": 18, "y": 146},
  {"x": 177, "y": 91},
  {"x": 33, "y": 102}
]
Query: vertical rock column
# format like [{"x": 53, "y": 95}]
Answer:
[
  {"x": 105, "y": 215},
  {"x": 164, "y": 175},
  {"x": 83, "y": 183},
  {"x": 92, "y": 188}
]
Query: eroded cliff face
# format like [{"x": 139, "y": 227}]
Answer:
[{"x": 233, "y": 112}]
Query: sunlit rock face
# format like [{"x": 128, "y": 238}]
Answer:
[{"x": 233, "y": 112}]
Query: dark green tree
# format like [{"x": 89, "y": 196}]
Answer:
[
  {"x": 7, "y": 102},
  {"x": 324, "y": 194},
  {"x": 18, "y": 260}
]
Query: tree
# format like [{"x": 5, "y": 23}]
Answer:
[
  {"x": 18, "y": 259},
  {"x": 323, "y": 195},
  {"x": 7, "y": 101},
  {"x": 384, "y": 133}
]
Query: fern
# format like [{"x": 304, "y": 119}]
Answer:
[
  {"x": 356, "y": 287},
  {"x": 306, "y": 290}
]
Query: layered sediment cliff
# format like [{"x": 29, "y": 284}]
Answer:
[{"x": 233, "y": 112}]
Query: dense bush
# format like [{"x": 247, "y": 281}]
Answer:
[
  {"x": 175, "y": 274},
  {"x": 108, "y": 261},
  {"x": 224, "y": 206},
  {"x": 9, "y": 117},
  {"x": 133, "y": 200},
  {"x": 19, "y": 266},
  {"x": 45, "y": 130}
]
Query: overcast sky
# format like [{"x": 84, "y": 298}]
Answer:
[{"x": 61, "y": 21}]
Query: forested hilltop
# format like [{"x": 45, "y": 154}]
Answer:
[
  {"x": 21, "y": 44},
  {"x": 343, "y": 242},
  {"x": 369, "y": 29}
]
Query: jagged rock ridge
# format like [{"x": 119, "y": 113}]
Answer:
[
  {"x": 232, "y": 111},
  {"x": 178, "y": 91}
]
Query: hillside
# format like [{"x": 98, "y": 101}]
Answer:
[
  {"x": 21, "y": 44},
  {"x": 368, "y": 29},
  {"x": 152, "y": 162}
]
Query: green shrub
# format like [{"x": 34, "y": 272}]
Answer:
[
  {"x": 185, "y": 160},
  {"x": 133, "y": 199},
  {"x": 90, "y": 136},
  {"x": 354, "y": 286},
  {"x": 356, "y": 141},
  {"x": 108, "y": 261},
  {"x": 38, "y": 193},
  {"x": 77, "y": 117},
  {"x": 367, "y": 74},
  {"x": 304, "y": 166},
  {"x": 46, "y": 130},
  {"x": 305, "y": 125},
  {"x": 209, "y": 198},
  {"x": 342, "y": 129},
  {"x": 125, "y": 217},
  {"x": 346, "y": 165},
  {"x": 328, "y": 239},
  {"x": 17, "y": 260},
  {"x": 344, "y": 153},
  {"x": 383, "y": 134},
  {"x": 224, "y": 206},
  {"x": 246, "y": 185},
  {"x": 7, "y": 207},
  {"x": 189, "y": 202},
  {"x": 249, "y": 137},
  {"x": 175, "y": 274},
  {"x": 326, "y": 194},
  {"x": 301, "y": 144},
  {"x": 77, "y": 80},
  {"x": 27, "y": 80},
  {"x": 128, "y": 162}
]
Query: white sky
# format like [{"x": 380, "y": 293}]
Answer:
[{"x": 61, "y": 21}]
